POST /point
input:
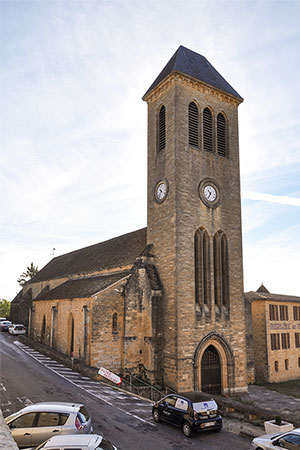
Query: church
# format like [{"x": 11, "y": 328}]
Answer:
[{"x": 165, "y": 302}]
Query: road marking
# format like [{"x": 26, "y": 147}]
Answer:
[
  {"x": 2, "y": 387},
  {"x": 97, "y": 395},
  {"x": 24, "y": 400}
]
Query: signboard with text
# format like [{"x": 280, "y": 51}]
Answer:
[{"x": 109, "y": 375}]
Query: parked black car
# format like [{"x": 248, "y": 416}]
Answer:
[{"x": 189, "y": 412}]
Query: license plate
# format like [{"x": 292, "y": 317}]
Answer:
[{"x": 208, "y": 424}]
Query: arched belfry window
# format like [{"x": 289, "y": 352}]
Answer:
[
  {"x": 221, "y": 270},
  {"x": 161, "y": 129},
  {"x": 222, "y": 135},
  {"x": 202, "y": 268},
  {"x": 207, "y": 130},
  {"x": 193, "y": 120}
]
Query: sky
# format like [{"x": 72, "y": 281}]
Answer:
[{"x": 74, "y": 127}]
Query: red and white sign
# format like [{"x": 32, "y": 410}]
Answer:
[{"x": 109, "y": 375}]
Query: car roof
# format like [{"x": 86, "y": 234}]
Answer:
[
  {"x": 193, "y": 396},
  {"x": 50, "y": 406},
  {"x": 74, "y": 439}
]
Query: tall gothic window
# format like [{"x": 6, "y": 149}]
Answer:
[
  {"x": 161, "y": 129},
  {"x": 115, "y": 323},
  {"x": 222, "y": 135},
  {"x": 221, "y": 270},
  {"x": 43, "y": 332},
  {"x": 207, "y": 130},
  {"x": 202, "y": 265},
  {"x": 193, "y": 120}
]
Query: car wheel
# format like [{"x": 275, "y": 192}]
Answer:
[
  {"x": 217, "y": 430},
  {"x": 156, "y": 416},
  {"x": 187, "y": 429}
]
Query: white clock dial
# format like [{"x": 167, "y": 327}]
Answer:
[
  {"x": 210, "y": 193},
  {"x": 161, "y": 191}
]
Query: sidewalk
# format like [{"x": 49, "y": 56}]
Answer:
[
  {"x": 277, "y": 404},
  {"x": 246, "y": 414}
]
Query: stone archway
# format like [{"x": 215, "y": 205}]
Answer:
[{"x": 214, "y": 359}]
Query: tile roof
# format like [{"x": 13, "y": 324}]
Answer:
[
  {"x": 82, "y": 287},
  {"x": 266, "y": 296},
  {"x": 196, "y": 66},
  {"x": 116, "y": 252}
]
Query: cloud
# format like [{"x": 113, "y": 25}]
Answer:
[
  {"x": 281, "y": 199},
  {"x": 274, "y": 261}
]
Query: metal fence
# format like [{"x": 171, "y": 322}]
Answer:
[{"x": 143, "y": 389}]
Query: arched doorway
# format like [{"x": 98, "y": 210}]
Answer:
[
  {"x": 211, "y": 371},
  {"x": 214, "y": 368}
]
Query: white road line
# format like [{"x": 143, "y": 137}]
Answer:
[{"x": 95, "y": 395}]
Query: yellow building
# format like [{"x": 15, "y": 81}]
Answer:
[{"x": 273, "y": 336}]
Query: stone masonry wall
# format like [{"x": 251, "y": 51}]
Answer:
[{"x": 173, "y": 223}]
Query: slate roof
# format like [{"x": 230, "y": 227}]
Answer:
[
  {"x": 82, "y": 287},
  {"x": 116, "y": 252},
  {"x": 196, "y": 66},
  {"x": 256, "y": 295},
  {"x": 263, "y": 288}
]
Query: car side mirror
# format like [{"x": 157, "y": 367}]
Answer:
[{"x": 11, "y": 425}]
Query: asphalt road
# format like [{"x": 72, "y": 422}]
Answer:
[{"x": 28, "y": 377}]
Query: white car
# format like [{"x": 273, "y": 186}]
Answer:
[
  {"x": 289, "y": 440},
  {"x": 5, "y": 324},
  {"x": 36, "y": 423},
  {"x": 17, "y": 329},
  {"x": 78, "y": 442}
]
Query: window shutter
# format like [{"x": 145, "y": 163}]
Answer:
[
  {"x": 162, "y": 129},
  {"x": 221, "y": 135},
  {"x": 207, "y": 130},
  {"x": 193, "y": 125}
]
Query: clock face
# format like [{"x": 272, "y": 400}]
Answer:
[
  {"x": 161, "y": 191},
  {"x": 210, "y": 193}
]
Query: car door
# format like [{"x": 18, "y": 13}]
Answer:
[
  {"x": 168, "y": 410},
  {"x": 21, "y": 429},
  {"x": 179, "y": 410},
  {"x": 290, "y": 441},
  {"x": 47, "y": 426}
]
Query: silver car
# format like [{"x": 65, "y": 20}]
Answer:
[
  {"x": 78, "y": 442},
  {"x": 289, "y": 440},
  {"x": 34, "y": 424}
]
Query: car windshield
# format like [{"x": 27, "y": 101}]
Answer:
[
  {"x": 12, "y": 416},
  {"x": 42, "y": 445},
  {"x": 105, "y": 445},
  {"x": 205, "y": 406},
  {"x": 84, "y": 415},
  {"x": 276, "y": 436}
]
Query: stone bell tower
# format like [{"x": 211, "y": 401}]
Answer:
[{"x": 194, "y": 224}]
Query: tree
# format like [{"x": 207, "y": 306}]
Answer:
[
  {"x": 30, "y": 272},
  {"x": 4, "y": 308}
]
